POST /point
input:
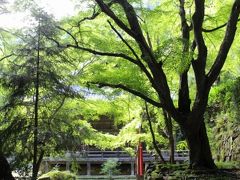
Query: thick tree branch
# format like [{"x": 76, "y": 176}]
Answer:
[
  {"x": 200, "y": 63},
  {"x": 226, "y": 44},
  {"x": 132, "y": 91},
  {"x": 135, "y": 27},
  {"x": 184, "y": 25},
  {"x": 131, "y": 17},
  {"x": 169, "y": 126},
  {"x": 158, "y": 77},
  {"x": 160, "y": 81},
  {"x": 183, "y": 93},
  {"x": 105, "y": 8}
]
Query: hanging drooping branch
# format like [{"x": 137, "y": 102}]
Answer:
[{"x": 153, "y": 135}]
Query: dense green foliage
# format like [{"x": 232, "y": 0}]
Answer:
[
  {"x": 224, "y": 120},
  {"x": 91, "y": 68}
]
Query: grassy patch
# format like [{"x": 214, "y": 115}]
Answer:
[{"x": 228, "y": 165}]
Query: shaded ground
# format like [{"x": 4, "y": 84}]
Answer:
[{"x": 180, "y": 172}]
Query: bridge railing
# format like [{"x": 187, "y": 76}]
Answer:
[
  {"x": 103, "y": 155},
  {"x": 87, "y": 158}
]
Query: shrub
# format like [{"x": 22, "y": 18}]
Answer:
[
  {"x": 58, "y": 175},
  {"x": 110, "y": 167}
]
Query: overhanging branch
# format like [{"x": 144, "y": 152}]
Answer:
[
  {"x": 5, "y": 57},
  {"x": 127, "y": 89},
  {"x": 93, "y": 51},
  {"x": 216, "y": 28}
]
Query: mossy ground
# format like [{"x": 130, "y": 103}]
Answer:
[{"x": 226, "y": 171}]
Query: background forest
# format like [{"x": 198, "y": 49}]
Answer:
[{"x": 154, "y": 63}]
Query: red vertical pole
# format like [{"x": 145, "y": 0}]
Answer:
[
  {"x": 140, "y": 165},
  {"x": 140, "y": 159}
]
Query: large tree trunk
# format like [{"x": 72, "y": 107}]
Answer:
[
  {"x": 5, "y": 171},
  {"x": 197, "y": 139}
]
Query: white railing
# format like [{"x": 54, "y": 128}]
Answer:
[{"x": 182, "y": 155}]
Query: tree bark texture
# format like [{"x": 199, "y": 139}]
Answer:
[{"x": 199, "y": 149}]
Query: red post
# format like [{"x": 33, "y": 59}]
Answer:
[{"x": 140, "y": 165}]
